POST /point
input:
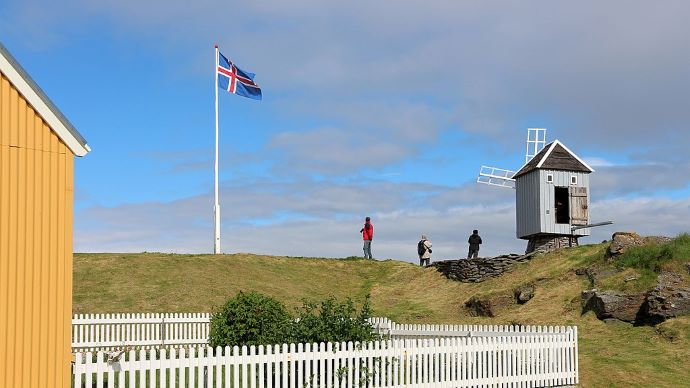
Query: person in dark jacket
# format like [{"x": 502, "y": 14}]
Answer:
[
  {"x": 474, "y": 242},
  {"x": 367, "y": 235}
]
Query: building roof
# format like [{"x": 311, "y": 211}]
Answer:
[
  {"x": 41, "y": 103},
  {"x": 555, "y": 156}
]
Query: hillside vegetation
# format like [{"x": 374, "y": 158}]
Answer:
[{"x": 617, "y": 355}]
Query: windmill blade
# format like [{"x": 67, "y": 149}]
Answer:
[
  {"x": 536, "y": 139},
  {"x": 494, "y": 176}
]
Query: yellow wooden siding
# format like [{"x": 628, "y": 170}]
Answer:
[{"x": 36, "y": 194}]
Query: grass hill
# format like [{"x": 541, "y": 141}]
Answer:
[{"x": 611, "y": 355}]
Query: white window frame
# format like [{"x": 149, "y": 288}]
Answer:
[
  {"x": 573, "y": 180},
  {"x": 549, "y": 178}
]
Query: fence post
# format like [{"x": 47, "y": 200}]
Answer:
[{"x": 161, "y": 330}]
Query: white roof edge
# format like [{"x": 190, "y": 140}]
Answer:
[
  {"x": 43, "y": 106},
  {"x": 548, "y": 152},
  {"x": 523, "y": 166},
  {"x": 571, "y": 153}
]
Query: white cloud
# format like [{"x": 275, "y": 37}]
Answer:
[
  {"x": 611, "y": 73},
  {"x": 597, "y": 161},
  {"x": 326, "y": 219}
]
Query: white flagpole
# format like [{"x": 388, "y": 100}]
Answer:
[{"x": 216, "y": 205}]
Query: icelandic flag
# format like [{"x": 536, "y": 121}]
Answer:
[{"x": 234, "y": 80}]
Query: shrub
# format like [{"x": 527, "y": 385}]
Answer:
[
  {"x": 652, "y": 257},
  {"x": 647, "y": 257},
  {"x": 333, "y": 321},
  {"x": 250, "y": 319}
]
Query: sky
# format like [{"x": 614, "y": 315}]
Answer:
[{"x": 370, "y": 108}]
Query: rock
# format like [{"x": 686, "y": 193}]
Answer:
[
  {"x": 479, "y": 307},
  {"x": 614, "y": 321},
  {"x": 598, "y": 274},
  {"x": 621, "y": 241},
  {"x": 687, "y": 266},
  {"x": 670, "y": 298},
  {"x": 524, "y": 294},
  {"x": 610, "y": 304},
  {"x": 656, "y": 240}
]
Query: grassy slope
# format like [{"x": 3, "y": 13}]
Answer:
[{"x": 610, "y": 355}]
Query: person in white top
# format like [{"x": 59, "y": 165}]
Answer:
[{"x": 424, "y": 251}]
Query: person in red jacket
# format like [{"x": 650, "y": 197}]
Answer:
[{"x": 367, "y": 235}]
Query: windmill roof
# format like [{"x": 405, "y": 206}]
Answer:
[
  {"x": 555, "y": 156},
  {"x": 33, "y": 94}
]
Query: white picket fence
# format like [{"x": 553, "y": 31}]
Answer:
[
  {"x": 538, "y": 360},
  {"x": 117, "y": 331},
  {"x": 110, "y": 331}
]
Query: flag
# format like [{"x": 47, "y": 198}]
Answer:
[{"x": 234, "y": 80}]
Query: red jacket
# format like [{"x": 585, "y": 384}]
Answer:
[{"x": 368, "y": 234}]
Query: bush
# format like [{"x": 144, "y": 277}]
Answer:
[
  {"x": 256, "y": 319},
  {"x": 652, "y": 257},
  {"x": 647, "y": 257},
  {"x": 333, "y": 321},
  {"x": 250, "y": 319}
]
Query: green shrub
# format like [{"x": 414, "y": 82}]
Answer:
[
  {"x": 652, "y": 257},
  {"x": 256, "y": 319},
  {"x": 333, "y": 321},
  {"x": 646, "y": 257},
  {"x": 250, "y": 319}
]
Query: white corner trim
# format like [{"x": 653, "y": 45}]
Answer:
[{"x": 41, "y": 107}]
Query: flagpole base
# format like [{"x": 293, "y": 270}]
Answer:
[{"x": 216, "y": 241}]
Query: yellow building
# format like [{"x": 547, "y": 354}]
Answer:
[{"x": 37, "y": 149}]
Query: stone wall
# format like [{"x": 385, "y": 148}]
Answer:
[
  {"x": 479, "y": 269},
  {"x": 549, "y": 242}
]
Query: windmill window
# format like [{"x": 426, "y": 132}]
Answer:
[
  {"x": 549, "y": 178},
  {"x": 573, "y": 179}
]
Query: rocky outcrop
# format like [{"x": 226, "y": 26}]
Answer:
[
  {"x": 480, "y": 307},
  {"x": 610, "y": 304},
  {"x": 657, "y": 240},
  {"x": 670, "y": 298},
  {"x": 479, "y": 269},
  {"x": 621, "y": 241},
  {"x": 524, "y": 294}
]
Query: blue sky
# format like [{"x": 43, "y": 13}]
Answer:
[{"x": 369, "y": 109}]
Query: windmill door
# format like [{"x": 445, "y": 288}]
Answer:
[{"x": 579, "y": 211}]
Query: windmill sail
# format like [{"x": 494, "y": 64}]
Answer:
[
  {"x": 494, "y": 176},
  {"x": 536, "y": 139}
]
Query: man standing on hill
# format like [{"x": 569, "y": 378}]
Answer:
[
  {"x": 424, "y": 251},
  {"x": 367, "y": 235},
  {"x": 474, "y": 242}
]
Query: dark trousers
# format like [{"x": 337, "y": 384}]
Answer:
[
  {"x": 473, "y": 253},
  {"x": 423, "y": 262}
]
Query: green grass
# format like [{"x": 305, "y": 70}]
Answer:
[
  {"x": 654, "y": 256},
  {"x": 644, "y": 263},
  {"x": 610, "y": 355}
]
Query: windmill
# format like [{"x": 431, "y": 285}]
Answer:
[{"x": 551, "y": 193}]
